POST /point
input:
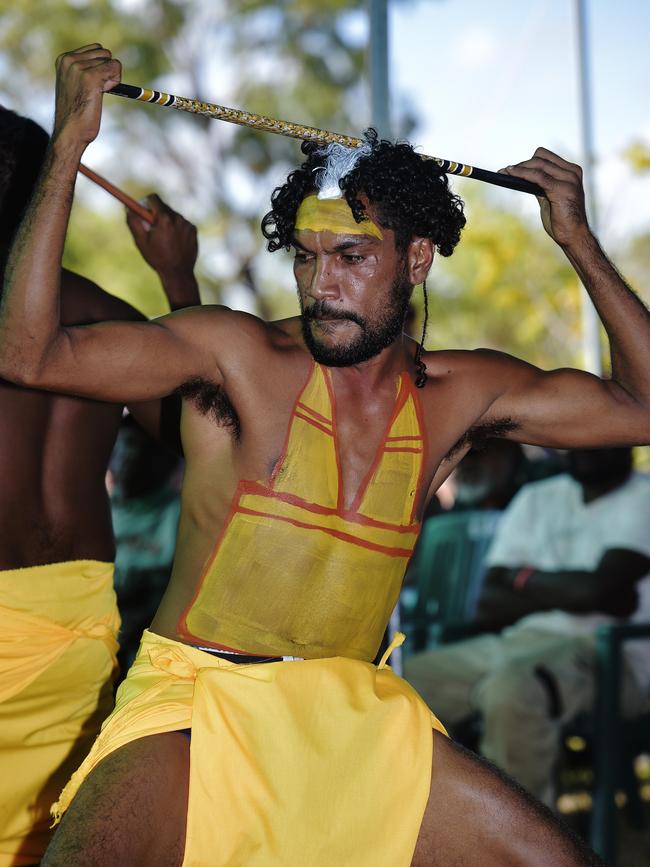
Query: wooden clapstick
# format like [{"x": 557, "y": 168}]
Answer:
[{"x": 127, "y": 200}]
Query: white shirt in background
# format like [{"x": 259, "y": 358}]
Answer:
[{"x": 549, "y": 527}]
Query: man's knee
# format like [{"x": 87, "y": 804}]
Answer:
[{"x": 511, "y": 691}]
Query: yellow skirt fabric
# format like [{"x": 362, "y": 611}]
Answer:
[
  {"x": 318, "y": 762},
  {"x": 58, "y": 640}
]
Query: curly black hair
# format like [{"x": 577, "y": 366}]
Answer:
[
  {"x": 22, "y": 150},
  {"x": 411, "y": 195}
]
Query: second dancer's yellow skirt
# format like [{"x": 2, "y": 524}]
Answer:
[
  {"x": 58, "y": 640},
  {"x": 311, "y": 763}
]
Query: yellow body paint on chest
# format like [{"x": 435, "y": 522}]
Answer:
[{"x": 295, "y": 571}]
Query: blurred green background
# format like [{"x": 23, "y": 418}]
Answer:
[{"x": 507, "y": 287}]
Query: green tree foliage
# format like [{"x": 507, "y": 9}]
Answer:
[
  {"x": 635, "y": 263},
  {"x": 293, "y": 59},
  {"x": 507, "y": 286},
  {"x": 638, "y": 154},
  {"x": 99, "y": 246}
]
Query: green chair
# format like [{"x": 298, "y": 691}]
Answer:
[
  {"x": 616, "y": 742},
  {"x": 446, "y": 575}
]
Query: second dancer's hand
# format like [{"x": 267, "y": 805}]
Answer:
[{"x": 170, "y": 246}]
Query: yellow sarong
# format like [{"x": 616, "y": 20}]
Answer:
[
  {"x": 319, "y": 762},
  {"x": 58, "y": 640}
]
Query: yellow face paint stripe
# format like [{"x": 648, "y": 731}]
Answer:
[{"x": 332, "y": 215}]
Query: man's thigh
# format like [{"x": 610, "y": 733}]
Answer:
[
  {"x": 475, "y": 815},
  {"x": 131, "y": 809}
]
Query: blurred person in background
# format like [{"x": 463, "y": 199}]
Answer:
[
  {"x": 489, "y": 475},
  {"x": 487, "y": 478},
  {"x": 570, "y": 553},
  {"x": 144, "y": 485},
  {"x": 59, "y": 621}
]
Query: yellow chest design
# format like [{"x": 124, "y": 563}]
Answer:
[{"x": 294, "y": 572}]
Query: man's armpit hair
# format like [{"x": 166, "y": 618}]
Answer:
[
  {"x": 478, "y": 435},
  {"x": 210, "y": 399}
]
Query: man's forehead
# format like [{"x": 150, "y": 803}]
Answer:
[
  {"x": 333, "y": 216},
  {"x": 305, "y": 239}
]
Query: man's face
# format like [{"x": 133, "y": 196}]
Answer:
[{"x": 354, "y": 293}]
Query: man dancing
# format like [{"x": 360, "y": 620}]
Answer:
[
  {"x": 59, "y": 618},
  {"x": 253, "y": 728}
]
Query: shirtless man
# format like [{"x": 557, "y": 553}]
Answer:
[
  {"x": 310, "y": 455},
  {"x": 59, "y": 619}
]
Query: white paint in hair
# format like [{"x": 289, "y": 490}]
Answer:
[{"x": 340, "y": 161}]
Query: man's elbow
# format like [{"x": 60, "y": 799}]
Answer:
[
  {"x": 21, "y": 368},
  {"x": 630, "y": 413}
]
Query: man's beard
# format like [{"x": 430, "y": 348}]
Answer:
[{"x": 372, "y": 337}]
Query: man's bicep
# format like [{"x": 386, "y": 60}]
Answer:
[
  {"x": 570, "y": 409},
  {"x": 128, "y": 361}
]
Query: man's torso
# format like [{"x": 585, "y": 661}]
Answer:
[{"x": 225, "y": 447}]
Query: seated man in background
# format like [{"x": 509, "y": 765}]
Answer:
[
  {"x": 485, "y": 480},
  {"x": 57, "y": 606},
  {"x": 568, "y": 555}
]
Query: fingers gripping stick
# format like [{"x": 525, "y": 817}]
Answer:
[{"x": 82, "y": 76}]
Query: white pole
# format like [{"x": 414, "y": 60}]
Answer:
[
  {"x": 591, "y": 351},
  {"x": 379, "y": 82},
  {"x": 380, "y": 119}
]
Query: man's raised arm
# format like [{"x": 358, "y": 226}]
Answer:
[
  {"x": 570, "y": 408},
  {"x": 116, "y": 361}
]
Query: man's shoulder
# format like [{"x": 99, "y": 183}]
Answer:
[
  {"x": 236, "y": 323},
  {"x": 239, "y": 342},
  {"x": 471, "y": 361}
]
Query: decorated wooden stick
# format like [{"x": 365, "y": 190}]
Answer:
[
  {"x": 307, "y": 133},
  {"x": 134, "y": 206}
]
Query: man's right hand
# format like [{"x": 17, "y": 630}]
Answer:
[{"x": 82, "y": 77}]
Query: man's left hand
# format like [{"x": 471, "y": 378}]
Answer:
[{"x": 563, "y": 209}]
